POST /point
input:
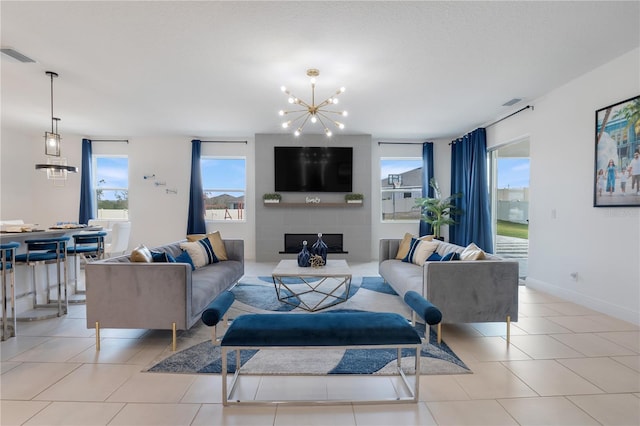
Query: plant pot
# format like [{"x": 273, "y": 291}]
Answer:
[
  {"x": 271, "y": 201},
  {"x": 354, "y": 201}
]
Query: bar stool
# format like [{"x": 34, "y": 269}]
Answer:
[
  {"x": 86, "y": 245},
  {"x": 8, "y": 253},
  {"x": 47, "y": 251}
]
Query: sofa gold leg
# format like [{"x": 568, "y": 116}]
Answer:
[
  {"x": 508, "y": 329},
  {"x": 173, "y": 336},
  {"x": 439, "y": 332},
  {"x": 97, "y": 335}
]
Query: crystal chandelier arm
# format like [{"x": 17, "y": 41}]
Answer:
[
  {"x": 294, "y": 111},
  {"x": 296, "y": 100},
  {"x": 326, "y": 129},
  {"x": 338, "y": 124}
]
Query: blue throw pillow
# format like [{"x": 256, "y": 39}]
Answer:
[
  {"x": 450, "y": 256},
  {"x": 185, "y": 258},
  {"x": 434, "y": 257},
  {"x": 162, "y": 257}
]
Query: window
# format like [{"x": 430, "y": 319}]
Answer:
[
  {"x": 224, "y": 180},
  {"x": 400, "y": 185},
  {"x": 111, "y": 183}
]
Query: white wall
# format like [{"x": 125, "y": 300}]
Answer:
[
  {"x": 157, "y": 217},
  {"x": 601, "y": 244}
]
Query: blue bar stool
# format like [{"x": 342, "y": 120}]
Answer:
[
  {"x": 86, "y": 245},
  {"x": 47, "y": 251},
  {"x": 8, "y": 253}
]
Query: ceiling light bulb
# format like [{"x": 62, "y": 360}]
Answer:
[
  {"x": 281, "y": 113},
  {"x": 285, "y": 124},
  {"x": 335, "y": 101},
  {"x": 284, "y": 89},
  {"x": 313, "y": 81},
  {"x": 51, "y": 141},
  {"x": 342, "y": 89},
  {"x": 297, "y": 132},
  {"x": 345, "y": 113},
  {"x": 291, "y": 100},
  {"x": 328, "y": 132},
  {"x": 340, "y": 126},
  {"x": 314, "y": 119}
]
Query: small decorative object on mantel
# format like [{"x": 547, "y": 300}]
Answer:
[
  {"x": 317, "y": 262},
  {"x": 354, "y": 198},
  {"x": 304, "y": 257},
  {"x": 313, "y": 200},
  {"x": 319, "y": 248},
  {"x": 272, "y": 197}
]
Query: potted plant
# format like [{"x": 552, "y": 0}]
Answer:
[
  {"x": 272, "y": 197},
  {"x": 354, "y": 198},
  {"x": 438, "y": 211}
]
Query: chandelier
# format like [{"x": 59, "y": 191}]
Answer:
[
  {"x": 56, "y": 168},
  {"x": 310, "y": 111}
]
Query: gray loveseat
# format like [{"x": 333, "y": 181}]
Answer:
[
  {"x": 464, "y": 290},
  {"x": 165, "y": 296}
]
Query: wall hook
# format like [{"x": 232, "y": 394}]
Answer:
[{"x": 153, "y": 176}]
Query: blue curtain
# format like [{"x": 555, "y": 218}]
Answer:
[
  {"x": 469, "y": 178},
  {"x": 195, "y": 222},
  {"x": 87, "y": 201},
  {"x": 427, "y": 175}
]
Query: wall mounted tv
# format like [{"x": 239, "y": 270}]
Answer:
[{"x": 313, "y": 169}]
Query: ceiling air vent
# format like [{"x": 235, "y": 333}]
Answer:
[
  {"x": 512, "y": 102},
  {"x": 16, "y": 55}
]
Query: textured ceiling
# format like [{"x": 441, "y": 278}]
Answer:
[{"x": 197, "y": 69}]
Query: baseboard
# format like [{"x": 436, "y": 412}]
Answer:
[{"x": 604, "y": 307}]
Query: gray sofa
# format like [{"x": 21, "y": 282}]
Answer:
[
  {"x": 464, "y": 290},
  {"x": 124, "y": 294}
]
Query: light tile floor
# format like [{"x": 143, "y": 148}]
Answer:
[{"x": 566, "y": 365}]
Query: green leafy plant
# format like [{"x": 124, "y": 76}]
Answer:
[
  {"x": 272, "y": 196},
  {"x": 438, "y": 211},
  {"x": 354, "y": 196}
]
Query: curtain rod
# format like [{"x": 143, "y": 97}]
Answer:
[
  {"x": 510, "y": 115},
  {"x": 497, "y": 121},
  {"x": 110, "y": 140},
  {"x": 400, "y": 143},
  {"x": 244, "y": 142}
]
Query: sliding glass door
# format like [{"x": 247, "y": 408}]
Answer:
[{"x": 509, "y": 177}]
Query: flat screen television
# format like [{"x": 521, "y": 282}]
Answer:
[{"x": 313, "y": 169}]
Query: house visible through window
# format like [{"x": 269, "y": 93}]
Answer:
[
  {"x": 400, "y": 185},
  {"x": 224, "y": 180},
  {"x": 111, "y": 183}
]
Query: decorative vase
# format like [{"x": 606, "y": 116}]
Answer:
[
  {"x": 320, "y": 248},
  {"x": 304, "y": 256}
]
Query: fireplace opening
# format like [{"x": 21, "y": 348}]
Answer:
[{"x": 293, "y": 242}]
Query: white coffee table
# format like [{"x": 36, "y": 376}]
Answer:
[{"x": 315, "y": 288}]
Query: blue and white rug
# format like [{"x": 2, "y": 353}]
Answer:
[{"x": 196, "y": 353}]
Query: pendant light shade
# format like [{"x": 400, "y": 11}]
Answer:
[{"x": 56, "y": 168}]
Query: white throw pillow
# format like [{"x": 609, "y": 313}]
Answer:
[
  {"x": 420, "y": 250},
  {"x": 472, "y": 252},
  {"x": 201, "y": 252}
]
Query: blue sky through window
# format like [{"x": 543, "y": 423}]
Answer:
[
  {"x": 223, "y": 173},
  {"x": 112, "y": 172},
  {"x": 513, "y": 173},
  {"x": 398, "y": 166}
]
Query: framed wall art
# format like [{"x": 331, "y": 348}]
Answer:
[{"x": 616, "y": 177}]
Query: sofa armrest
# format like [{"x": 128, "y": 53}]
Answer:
[
  {"x": 235, "y": 250},
  {"x": 388, "y": 249},
  {"x": 138, "y": 295},
  {"x": 473, "y": 291}
]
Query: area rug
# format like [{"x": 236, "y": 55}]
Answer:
[{"x": 197, "y": 355}]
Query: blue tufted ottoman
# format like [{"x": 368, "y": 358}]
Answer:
[{"x": 317, "y": 331}]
